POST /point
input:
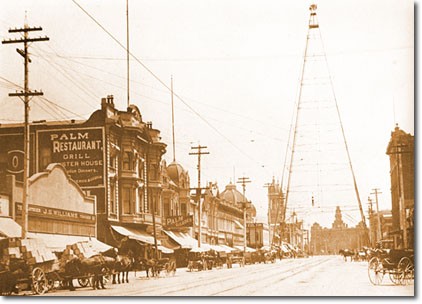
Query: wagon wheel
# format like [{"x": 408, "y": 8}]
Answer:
[
  {"x": 407, "y": 270},
  {"x": 396, "y": 276},
  {"x": 375, "y": 271},
  {"x": 84, "y": 282},
  {"x": 39, "y": 281}
]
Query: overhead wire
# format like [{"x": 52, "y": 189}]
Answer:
[{"x": 165, "y": 85}]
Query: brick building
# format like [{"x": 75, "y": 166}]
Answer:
[
  {"x": 114, "y": 156},
  {"x": 402, "y": 175}
]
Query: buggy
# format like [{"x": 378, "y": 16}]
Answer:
[{"x": 398, "y": 264}]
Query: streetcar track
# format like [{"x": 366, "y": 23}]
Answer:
[
  {"x": 186, "y": 286},
  {"x": 295, "y": 271},
  {"x": 226, "y": 278}
]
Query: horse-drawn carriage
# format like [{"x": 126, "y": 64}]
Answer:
[
  {"x": 29, "y": 265},
  {"x": 25, "y": 264},
  {"x": 236, "y": 258},
  {"x": 398, "y": 264},
  {"x": 197, "y": 261}
]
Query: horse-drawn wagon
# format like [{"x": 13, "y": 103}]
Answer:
[
  {"x": 26, "y": 265},
  {"x": 398, "y": 264}
]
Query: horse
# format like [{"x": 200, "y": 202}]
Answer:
[
  {"x": 122, "y": 265},
  {"x": 150, "y": 266},
  {"x": 346, "y": 253},
  {"x": 96, "y": 266}
]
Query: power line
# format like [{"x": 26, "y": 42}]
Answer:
[{"x": 163, "y": 83}]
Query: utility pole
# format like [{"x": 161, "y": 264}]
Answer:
[
  {"x": 379, "y": 231},
  {"x": 243, "y": 181},
  {"x": 199, "y": 152},
  {"x": 172, "y": 121},
  {"x": 25, "y": 94},
  {"x": 370, "y": 212}
]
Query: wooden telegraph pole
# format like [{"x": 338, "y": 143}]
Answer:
[
  {"x": 379, "y": 230},
  {"x": 198, "y": 190},
  {"x": 25, "y": 94},
  {"x": 243, "y": 181}
]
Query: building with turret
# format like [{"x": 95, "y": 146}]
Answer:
[
  {"x": 339, "y": 236},
  {"x": 402, "y": 176},
  {"x": 114, "y": 155}
]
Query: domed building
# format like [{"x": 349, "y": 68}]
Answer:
[
  {"x": 176, "y": 184},
  {"x": 222, "y": 216},
  {"x": 235, "y": 197}
]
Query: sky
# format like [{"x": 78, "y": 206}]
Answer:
[{"x": 236, "y": 69}]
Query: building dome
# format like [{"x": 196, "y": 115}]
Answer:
[
  {"x": 175, "y": 172},
  {"x": 232, "y": 195}
]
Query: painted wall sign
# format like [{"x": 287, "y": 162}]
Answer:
[
  {"x": 179, "y": 221},
  {"x": 55, "y": 213},
  {"x": 80, "y": 151}
]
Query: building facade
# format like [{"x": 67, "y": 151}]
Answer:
[
  {"x": 275, "y": 211},
  {"x": 59, "y": 212},
  {"x": 114, "y": 155},
  {"x": 402, "y": 176},
  {"x": 340, "y": 236},
  {"x": 386, "y": 226}
]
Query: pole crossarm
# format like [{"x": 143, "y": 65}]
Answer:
[
  {"x": 25, "y": 29},
  {"x": 8, "y": 41},
  {"x": 35, "y": 93}
]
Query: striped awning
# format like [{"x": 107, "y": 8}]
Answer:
[
  {"x": 182, "y": 238},
  {"x": 58, "y": 242},
  {"x": 9, "y": 228},
  {"x": 135, "y": 234}
]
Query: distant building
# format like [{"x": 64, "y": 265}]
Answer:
[
  {"x": 340, "y": 236},
  {"x": 275, "y": 210},
  {"x": 402, "y": 175},
  {"x": 386, "y": 221}
]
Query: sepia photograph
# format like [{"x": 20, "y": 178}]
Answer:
[{"x": 205, "y": 148}]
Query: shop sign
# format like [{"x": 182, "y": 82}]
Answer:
[
  {"x": 179, "y": 221},
  {"x": 59, "y": 214},
  {"x": 80, "y": 151}
]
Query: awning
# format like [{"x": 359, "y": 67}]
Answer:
[
  {"x": 9, "y": 228},
  {"x": 220, "y": 248},
  {"x": 200, "y": 249},
  {"x": 165, "y": 249},
  {"x": 135, "y": 234},
  {"x": 238, "y": 224},
  {"x": 227, "y": 248},
  {"x": 58, "y": 242},
  {"x": 248, "y": 249},
  {"x": 182, "y": 238}
]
